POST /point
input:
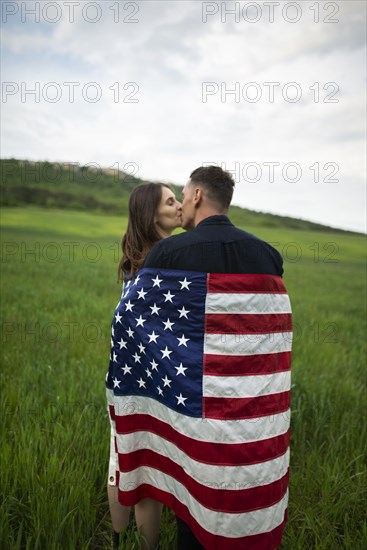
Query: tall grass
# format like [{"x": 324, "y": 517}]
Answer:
[{"x": 57, "y": 304}]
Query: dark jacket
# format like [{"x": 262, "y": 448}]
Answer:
[{"x": 216, "y": 246}]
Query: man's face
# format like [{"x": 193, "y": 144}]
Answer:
[{"x": 188, "y": 206}]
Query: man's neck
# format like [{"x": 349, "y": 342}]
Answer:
[{"x": 202, "y": 215}]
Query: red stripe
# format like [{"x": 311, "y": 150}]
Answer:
[
  {"x": 235, "y": 323},
  {"x": 228, "y": 454},
  {"x": 224, "y": 408},
  {"x": 220, "y": 499},
  {"x": 258, "y": 283},
  {"x": 242, "y": 365},
  {"x": 263, "y": 541},
  {"x": 111, "y": 408}
]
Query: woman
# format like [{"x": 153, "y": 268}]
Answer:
[{"x": 154, "y": 213}]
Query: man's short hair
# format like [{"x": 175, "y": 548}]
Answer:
[{"x": 217, "y": 183}]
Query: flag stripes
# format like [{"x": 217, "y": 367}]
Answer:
[
  {"x": 246, "y": 386},
  {"x": 229, "y": 477},
  {"x": 220, "y": 462},
  {"x": 247, "y": 344},
  {"x": 208, "y": 493},
  {"x": 236, "y": 282},
  {"x": 233, "y": 365},
  {"x": 242, "y": 442},
  {"x": 229, "y": 323},
  {"x": 236, "y": 408},
  {"x": 213, "y": 541},
  {"x": 247, "y": 303},
  {"x": 215, "y": 521}
]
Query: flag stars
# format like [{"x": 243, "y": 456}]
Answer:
[
  {"x": 181, "y": 370},
  {"x": 184, "y": 284},
  {"x": 181, "y": 399},
  {"x": 157, "y": 282},
  {"x": 169, "y": 296},
  {"x": 136, "y": 358},
  {"x": 182, "y": 341},
  {"x": 166, "y": 382},
  {"x": 166, "y": 353},
  {"x": 183, "y": 312},
  {"x": 141, "y": 348},
  {"x": 154, "y": 365},
  {"x": 141, "y": 294},
  {"x": 129, "y": 306},
  {"x": 141, "y": 383},
  {"x": 114, "y": 357},
  {"x": 130, "y": 332},
  {"x": 126, "y": 369},
  {"x": 118, "y": 318},
  {"x": 149, "y": 373},
  {"x": 122, "y": 343},
  {"x": 155, "y": 309},
  {"x": 140, "y": 322},
  {"x": 168, "y": 325},
  {"x": 160, "y": 391},
  {"x": 137, "y": 280},
  {"x": 116, "y": 383},
  {"x": 153, "y": 337}
]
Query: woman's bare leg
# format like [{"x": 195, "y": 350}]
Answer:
[
  {"x": 120, "y": 514},
  {"x": 148, "y": 513}
]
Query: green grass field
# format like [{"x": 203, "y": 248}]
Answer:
[{"x": 58, "y": 294}]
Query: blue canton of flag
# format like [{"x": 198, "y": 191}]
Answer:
[{"x": 157, "y": 339}]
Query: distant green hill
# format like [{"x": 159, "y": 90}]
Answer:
[{"x": 104, "y": 190}]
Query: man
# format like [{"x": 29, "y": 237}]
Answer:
[{"x": 215, "y": 246}]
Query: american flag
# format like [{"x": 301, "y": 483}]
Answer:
[{"x": 198, "y": 389}]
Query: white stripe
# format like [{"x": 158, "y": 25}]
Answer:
[
  {"x": 204, "y": 429},
  {"x": 113, "y": 463},
  {"x": 246, "y": 386},
  {"x": 247, "y": 344},
  {"x": 218, "y": 523},
  {"x": 247, "y": 303},
  {"x": 218, "y": 477}
]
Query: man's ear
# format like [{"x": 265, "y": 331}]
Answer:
[{"x": 198, "y": 195}]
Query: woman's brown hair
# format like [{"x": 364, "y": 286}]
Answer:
[{"x": 141, "y": 233}]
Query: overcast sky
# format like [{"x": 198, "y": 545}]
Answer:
[{"x": 152, "y": 83}]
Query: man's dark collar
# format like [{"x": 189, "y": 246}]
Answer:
[{"x": 218, "y": 219}]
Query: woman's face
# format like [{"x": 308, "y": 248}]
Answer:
[{"x": 168, "y": 215}]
